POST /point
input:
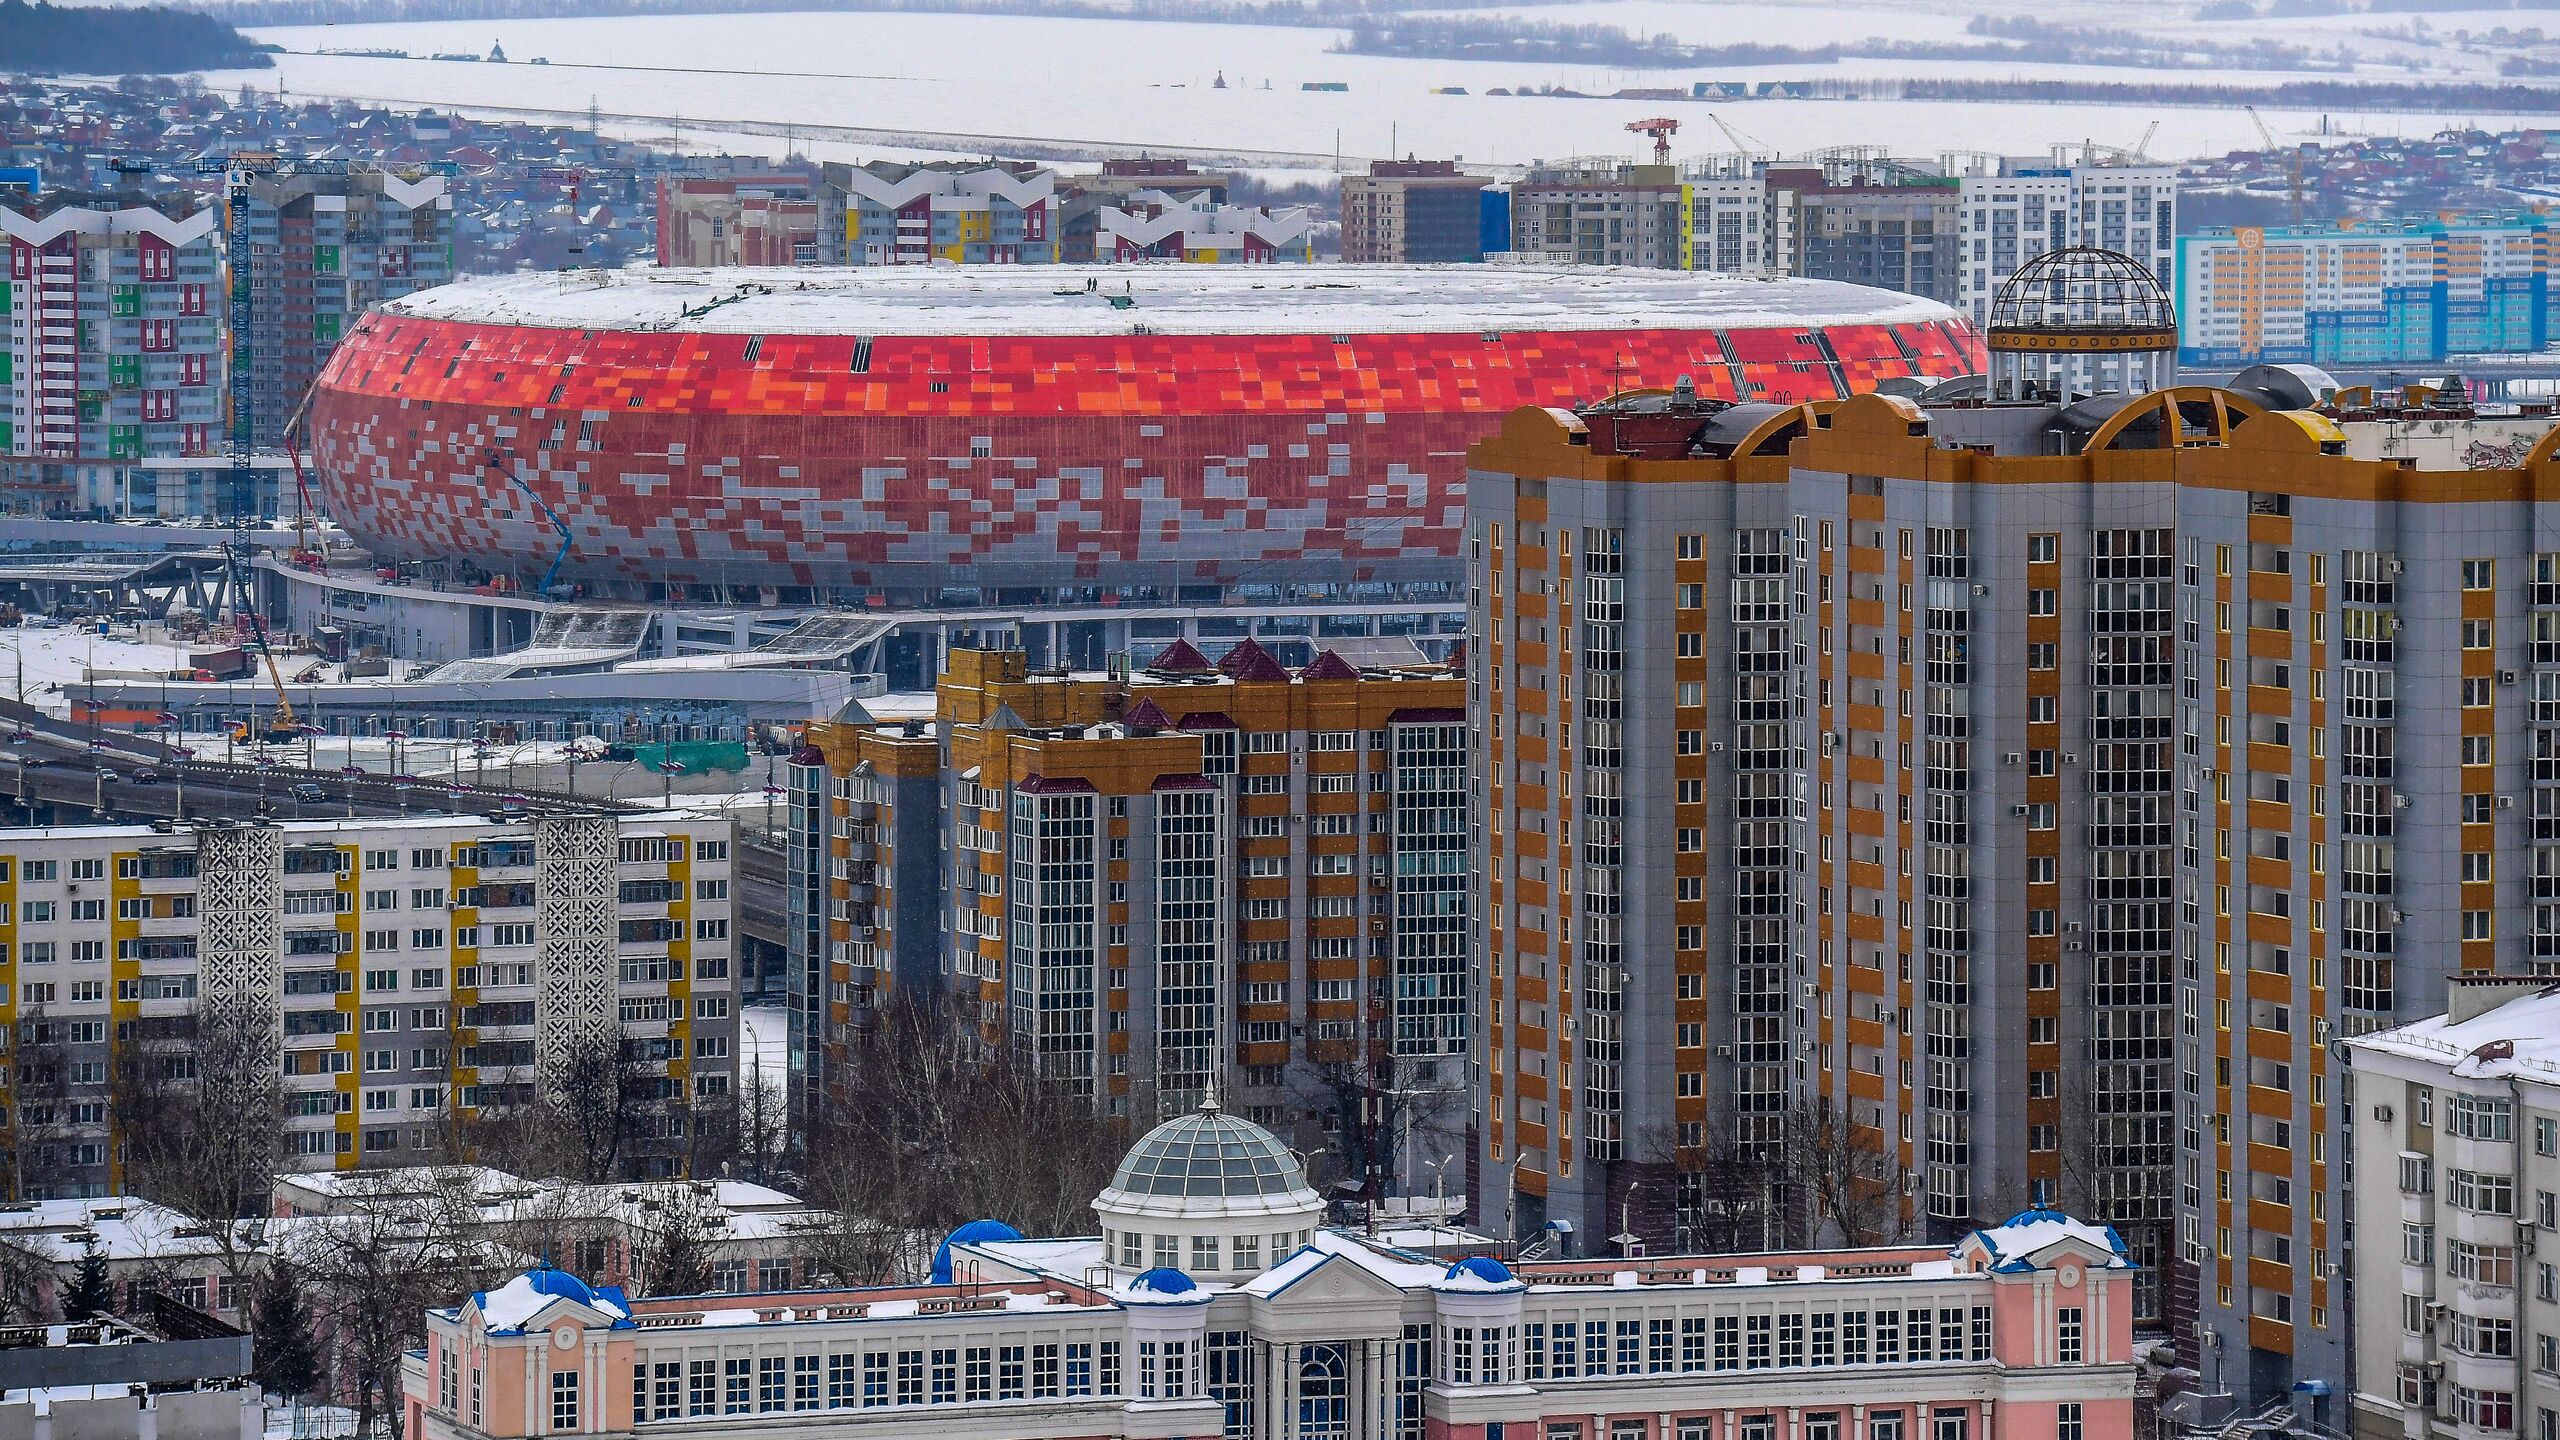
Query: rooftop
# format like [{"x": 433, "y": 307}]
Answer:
[
  {"x": 1171, "y": 299},
  {"x": 2519, "y": 1039}
]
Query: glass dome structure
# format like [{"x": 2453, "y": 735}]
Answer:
[
  {"x": 1209, "y": 1155},
  {"x": 2080, "y": 321}
]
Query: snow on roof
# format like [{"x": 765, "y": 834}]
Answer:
[
  {"x": 1176, "y": 300},
  {"x": 2015, "y": 1242},
  {"x": 2518, "y": 1039},
  {"x": 124, "y": 1227},
  {"x": 507, "y": 1308}
]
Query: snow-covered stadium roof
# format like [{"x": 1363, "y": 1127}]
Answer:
[{"x": 1161, "y": 299}]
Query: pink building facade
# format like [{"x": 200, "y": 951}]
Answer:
[{"x": 2021, "y": 1332}]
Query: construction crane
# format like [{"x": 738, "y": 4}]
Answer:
[
  {"x": 1661, "y": 128},
  {"x": 240, "y": 171},
  {"x": 499, "y": 467},
  {"x": 2292, "y": 160},
  {"x": 1742, "y": 142},
  {"x": 286, "y": 725}
]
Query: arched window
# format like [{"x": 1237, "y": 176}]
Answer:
[{"x": 1324, "y": 1393}]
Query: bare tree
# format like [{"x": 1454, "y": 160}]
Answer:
[
  {"x": 42, "y": 1094},
  {"x": 1846, "y": 1182},
  {"x": 928, "y": 1130},
  {"x": 745, "y": 1134},
  {"x": 199, "y": 1106},
  {"x": 24, "y": 1276},
  {"x": 672, "y": 1239},
  {"x": 599, "y": 1100},
  {"x": 586, "y": 1121},
  {"x": 1373, "y": 1109},
  {"x": 374, "y": 1268}
]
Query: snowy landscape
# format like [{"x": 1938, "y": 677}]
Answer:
[{"x": 852, "y": 85}]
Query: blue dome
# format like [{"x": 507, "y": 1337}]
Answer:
[
  {"x": 976, "y": 1232},
  {"x": 1480, "y": 1267},
  {"x": 551, "y": 1281},
  {"x": 1164, "y": 1280}
]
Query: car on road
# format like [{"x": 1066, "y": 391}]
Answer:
[
  {"x": 308, "y": 794},
  {"x": 145, "y": 776}
]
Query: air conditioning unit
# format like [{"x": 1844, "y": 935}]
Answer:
[
  {"x": 1715, "y": 747},
  {"x": 2074, "y": 944},
  {"x": 2399, "y": 802},
  {"x": 1981, "y": 589},
  {"x": 2071, "y": 927},
  {"x": 2506, "y": 677},
  {"x": 2382, "y": 1113},
  {"x": 2011, "y": 758},
  {"x": 2017, "y": 809},
  {"x": 1724, "y": 1052},
  {"x": 2070, "y": 759},
  {"x": 2506, "y": 802}
]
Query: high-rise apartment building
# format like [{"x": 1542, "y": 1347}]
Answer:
[
  {"x": 1236, "y": 878},
  {"x": 972, "y": 212},
  {"x": 110, "y": 338},
  {"x": 393, "y": 969},
  {"x": 324, "y": 249},
  {"x": 2456, "y": 1154},
  {"x": 2012, "y": 209},
  {"x": 738, "y": 220},
  {"x": 1602, "y": 212},
  {"x": 1880, "y": 223},
  {"x": 1773, "y": 801},
  {"x": 2038, "y": 787},
  {"x": 1416, "y": 212},
  {"x": 2383, "y": 294}
]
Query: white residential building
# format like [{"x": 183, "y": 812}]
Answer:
[
  {"x": 2454, "y": 1133},
  {"x": 2012, "y": 209}
]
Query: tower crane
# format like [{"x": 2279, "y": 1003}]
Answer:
[
  {"x": 2292, "y": 160},
  {"x": 1744, "y": 143},
  {"x": 1661, "y": 128}
]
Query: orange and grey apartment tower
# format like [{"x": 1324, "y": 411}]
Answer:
[
  {"x": 1230, "y": 878},
  {"x": 2033, "y": 789}
]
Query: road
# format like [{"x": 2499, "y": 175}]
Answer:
[{"x": 57, "y": 772}]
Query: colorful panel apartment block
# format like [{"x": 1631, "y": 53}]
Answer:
[
  {"x": 323, "y": 249},
  {"x": 1153, "y": 225},
  {"x": 2365, "y": 295},
  {"x": 110, "y": 341},
  {"x": 889, "y": 213}
]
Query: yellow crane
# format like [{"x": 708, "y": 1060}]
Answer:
[{"x": 2292, "y": 160}]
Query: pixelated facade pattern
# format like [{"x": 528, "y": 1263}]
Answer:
[{"x": 682, "y": 459}]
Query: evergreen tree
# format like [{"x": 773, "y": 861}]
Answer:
[
  {"x": 286, "y": 1362},
  {"x": 90, "y": 1294}
]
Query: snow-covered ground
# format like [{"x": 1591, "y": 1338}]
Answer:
[{"x": 1013, "y": 79}]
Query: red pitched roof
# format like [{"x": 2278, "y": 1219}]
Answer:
[
  {"x": 1250, "y": 662},
  {"x": 1330, "y": 666},
  {"x": 1146, "y": 712},
  {"x": 1182, "y": 657}
]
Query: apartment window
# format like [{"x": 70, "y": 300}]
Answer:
[
  {"x": 2066, "y": 1334},
  {"x": 2066, "y": 1421}
]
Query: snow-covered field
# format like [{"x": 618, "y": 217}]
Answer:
[{"x": 1004, "y": 79}]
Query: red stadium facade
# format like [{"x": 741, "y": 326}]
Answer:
[{"x": 871, "y": 434}]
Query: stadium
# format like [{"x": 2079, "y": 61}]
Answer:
[{"x": 1021, "y": 436}]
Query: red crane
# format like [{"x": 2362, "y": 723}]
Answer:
[{"x": 1661, "y": 128}]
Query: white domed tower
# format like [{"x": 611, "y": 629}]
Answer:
[{"x": 1210, "y": 1194}]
